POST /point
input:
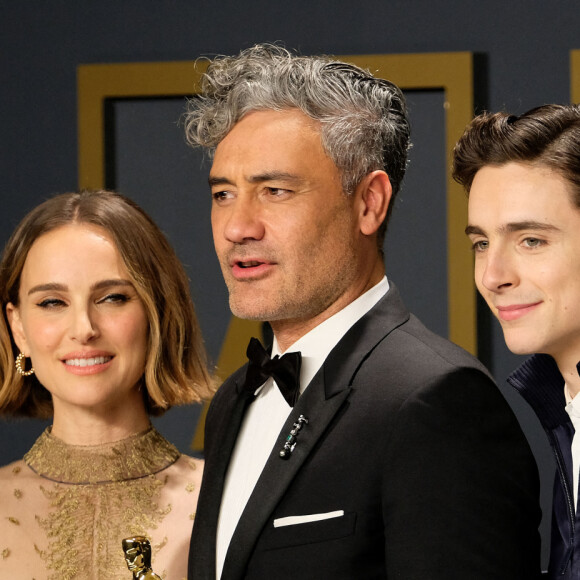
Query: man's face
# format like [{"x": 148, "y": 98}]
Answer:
[
  {"x": 286, "y": 234},
  {"x": 526, "y": 236}
]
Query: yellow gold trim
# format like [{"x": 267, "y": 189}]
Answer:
[
  {"x": 98, "y": 82},
  {"x": 450, "y": 72},
  {"x": 575, "y": 76}
]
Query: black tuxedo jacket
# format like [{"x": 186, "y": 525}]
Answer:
[{"x": 407, "y": 436}]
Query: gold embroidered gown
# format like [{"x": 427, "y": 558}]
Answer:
[{"x": 64, "y": 509}]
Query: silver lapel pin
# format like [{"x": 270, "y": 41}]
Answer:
[{"x": 291, "y": 439}]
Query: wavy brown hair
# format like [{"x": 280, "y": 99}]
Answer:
[
  {"x": 176, "y": 367},
  {"x": 548, "y": 136}
]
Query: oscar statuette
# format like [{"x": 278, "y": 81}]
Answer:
[{"x": 138, "y": 557}]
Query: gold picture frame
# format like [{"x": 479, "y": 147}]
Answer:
[{"x": 575, "y": 76}]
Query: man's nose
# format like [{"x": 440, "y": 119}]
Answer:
[
  {"x": 244, "y": 221},
  {"x": 500, "y": 270}
]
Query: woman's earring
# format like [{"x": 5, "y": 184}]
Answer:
[{"x": 20, "y": 362}]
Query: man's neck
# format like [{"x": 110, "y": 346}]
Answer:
[
  {"x": 569, "y": 371},
  {"x": 287, "y": 332},
  {"x": 572, "y": 382}
]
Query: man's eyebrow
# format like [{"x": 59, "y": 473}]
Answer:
[
  {"x": 469, "y": 230},
  {"x": 273, "y": 176},
  {"x": 514, "y": 227},
  {"x": 56, "y": 287},
  {"x": 215, "y": 180},
  {"x": 530, "y": 225}
]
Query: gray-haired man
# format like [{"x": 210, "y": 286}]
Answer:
[{"x": 397, "y": 457}]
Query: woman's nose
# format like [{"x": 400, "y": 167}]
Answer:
[{"x": 83, "y": 325}]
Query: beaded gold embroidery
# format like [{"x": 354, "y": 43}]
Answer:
[
  {"x": 101, "y": 494},
  {"x": 160, "y": 544},
  {"x": 137, "y": 456},
  {"x": 192, "y": 463},
  {"x": 5, "y": 553}
]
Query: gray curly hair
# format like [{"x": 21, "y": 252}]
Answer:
[{"x": 364, "y": 123}]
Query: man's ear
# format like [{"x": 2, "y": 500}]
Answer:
[
  {"x": 13, "y": 315},
  {"x": 374, "y": 193}
]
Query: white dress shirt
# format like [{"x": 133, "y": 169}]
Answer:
[
  {"x": 573, "y": 409},
  {"x": 268, "y": 413}
]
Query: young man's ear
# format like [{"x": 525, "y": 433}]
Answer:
[
  {"x": 13, "y": 315},
  {"x": 374, "y": 193}
]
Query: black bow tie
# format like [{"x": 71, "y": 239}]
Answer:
[{"x": 285, "y": 370}]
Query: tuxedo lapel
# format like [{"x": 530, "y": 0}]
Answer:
[
  {"x": 230, "y": 413},
  {"x": 278, "y": 473}
]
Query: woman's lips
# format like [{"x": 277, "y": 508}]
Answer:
[{"x": 89, "y": 364}]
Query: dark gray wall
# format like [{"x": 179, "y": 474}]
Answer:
[{"x": 525, "y": 46}]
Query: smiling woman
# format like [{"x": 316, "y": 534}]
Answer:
[
  {"x": 84, "y": 327},
  {"x": 98, "y": 332}
]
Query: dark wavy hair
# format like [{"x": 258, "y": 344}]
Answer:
[{"x": 548, "y": 136}]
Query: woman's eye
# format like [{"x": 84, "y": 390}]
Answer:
[
  {"x": 50, "y": 303},
  {"x": 114, "y": 299}
]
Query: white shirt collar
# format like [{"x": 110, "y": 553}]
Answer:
[{"x": 572, "y": 405}]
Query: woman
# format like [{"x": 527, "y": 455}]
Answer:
[{"x": 99, "y": 332}]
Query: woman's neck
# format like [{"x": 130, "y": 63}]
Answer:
[{"x": 78, "y": 426}]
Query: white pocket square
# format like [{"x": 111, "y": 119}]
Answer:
[{"x": 293, "y": 520}]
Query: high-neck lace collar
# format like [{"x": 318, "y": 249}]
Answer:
[{"x": 136, "y": 456}]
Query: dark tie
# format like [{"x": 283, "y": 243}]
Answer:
[{"x": 285, "y": 370}]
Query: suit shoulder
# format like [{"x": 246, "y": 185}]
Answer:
[
  {"x": 412, "y": 363},
  {"x": 429, "y": 350},
  {"x": 229, "y": 385}
]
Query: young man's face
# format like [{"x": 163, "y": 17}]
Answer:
[
  {"x": 287, "y": 236},
  {"x": 525, "y": 232}
]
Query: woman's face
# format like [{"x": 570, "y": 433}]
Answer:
[{"x": 80, "y": 320}]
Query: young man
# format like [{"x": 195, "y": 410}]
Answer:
[
  {"x": 523, "y": 178},
  {"x": 397, "y": 457}
]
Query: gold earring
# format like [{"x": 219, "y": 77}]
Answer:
[{"x": 20, "y": 362}]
